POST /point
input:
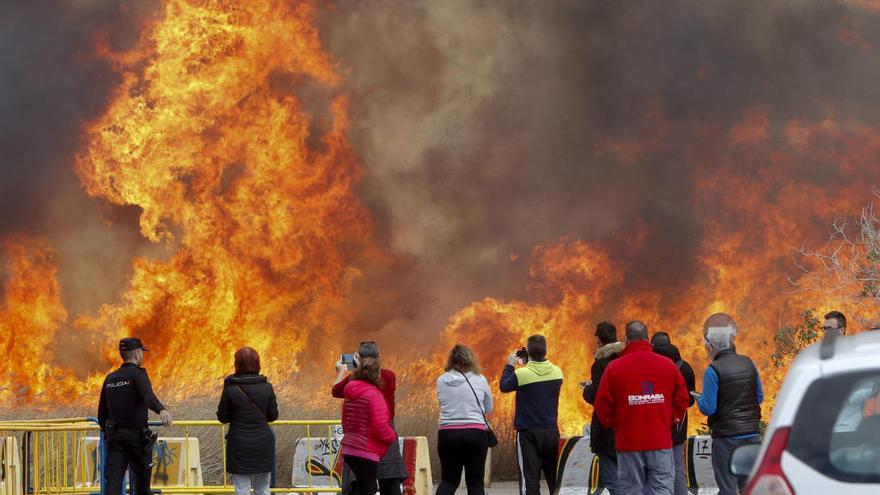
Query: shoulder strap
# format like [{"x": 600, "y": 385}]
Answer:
[
  {"x": 248, "y": 397},
  {"x": 479, "y": 404}
]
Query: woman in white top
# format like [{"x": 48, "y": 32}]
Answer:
[{"x": 463, "y": 440}]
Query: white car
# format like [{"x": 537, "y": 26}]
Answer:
[{"x": 824, "y": 436}]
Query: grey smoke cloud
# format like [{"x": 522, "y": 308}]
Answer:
[
  {"x": 481, "y": 127},
  {"x": 482, "y": 124},
  {"x": 51, "y": 84}
]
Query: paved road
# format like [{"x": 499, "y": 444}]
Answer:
[
  {"x": 501, "y": 488},
  {"x": 506, "y": 488}
]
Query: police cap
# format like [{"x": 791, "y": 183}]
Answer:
[{"x": 131, "y": 344}]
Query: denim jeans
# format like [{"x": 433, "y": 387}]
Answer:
[
  {"x": 681, "y": 483},
  {"x": 608, "y": 472},
  {"x": 649, "y": 472},
  {"x": 722, "y": 450},
  {"x": 244, "y": 482}
]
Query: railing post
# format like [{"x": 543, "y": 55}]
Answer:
[
  {"x": 102, "y": 457},
  {"x": 48, "y": 446},
  {"x": 274, "y": 451}
]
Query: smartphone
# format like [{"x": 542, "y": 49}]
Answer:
[
  {"x": 523, "y": 355},
  {"x": 696, "y": 395},
  {"x": 347, "y": 360}
]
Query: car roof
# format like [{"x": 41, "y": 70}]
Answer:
[
  {"x": 850, "y": 353},
  {"x": 857, "y": 345}
]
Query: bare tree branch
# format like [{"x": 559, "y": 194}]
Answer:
[{"x": 847, "y": 268}]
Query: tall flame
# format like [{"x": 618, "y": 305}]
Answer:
[
  {"x": 221, "y": 162},
  {"x": 253, "y": 194},
  {"x": 29, "y": 319}
]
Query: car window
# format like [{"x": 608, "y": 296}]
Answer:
[{"x": 837, "y": 427}]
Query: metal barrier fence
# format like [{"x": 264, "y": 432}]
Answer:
[
  {"x": 65, "y": 457},
  {"x": 36, "y": 457}
]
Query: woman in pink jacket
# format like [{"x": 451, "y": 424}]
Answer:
[{"x": 366, "y": 425}]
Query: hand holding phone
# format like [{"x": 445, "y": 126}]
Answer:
[
  {"x": 523, "y": 355},
  {"x": 348, "y": 361}
]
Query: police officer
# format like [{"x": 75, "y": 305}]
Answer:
[{"x": 122, "y": 414}]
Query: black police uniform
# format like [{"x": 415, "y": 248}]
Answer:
[{"x": 122, "y": 413}]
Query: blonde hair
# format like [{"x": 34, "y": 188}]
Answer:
[{"x": 462, "y": 359}]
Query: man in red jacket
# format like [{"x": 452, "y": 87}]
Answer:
[{"x": 641, "y": 396}]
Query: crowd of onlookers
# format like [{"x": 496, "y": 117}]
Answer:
[{"x": 640, "y": 390}]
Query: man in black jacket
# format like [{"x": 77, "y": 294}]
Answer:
[
  {"x": 662, "y": 344},
  {"x": 601, "y": 438},
  {"x": 122, "y": 414}
]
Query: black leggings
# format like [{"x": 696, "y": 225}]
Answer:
[
  {"x": 389, "y": 486},
  {"x": 462, "y": 449},
  {"x": 365, "y": 472}
]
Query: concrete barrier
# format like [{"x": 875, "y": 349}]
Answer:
[
  {"x": 87, "y": 463},
  {"x": 10, "y": 467},
  {"x": 578, "y": 468},
  {"x": 698, "y": 456},
  {"x": 317, "y": 462},
  {"x": 177, "y": 462},
  {"x": 417, "y": 458}
]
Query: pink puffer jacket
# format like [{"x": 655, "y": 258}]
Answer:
[{"x": 365, "y": 421}]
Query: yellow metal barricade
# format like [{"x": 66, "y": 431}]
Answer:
[
  {"x": 64, "y": 457},
  {"x": 37, "y": 457}
]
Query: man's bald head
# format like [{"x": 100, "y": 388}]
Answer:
[{"x": 636, "y": 330}]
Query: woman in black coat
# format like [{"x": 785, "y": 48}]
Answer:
[{"x": 248, "y": 404}]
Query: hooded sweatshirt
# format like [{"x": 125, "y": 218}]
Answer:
[
  {"x": 365, "y": 422},
  {"x": 458, "y": 406},
  {"x": 537, "y": 386}
]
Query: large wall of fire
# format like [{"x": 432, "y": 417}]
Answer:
[{"x": 300, "y": 176}]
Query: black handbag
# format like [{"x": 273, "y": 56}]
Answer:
[{"x": 493, "y": 439}]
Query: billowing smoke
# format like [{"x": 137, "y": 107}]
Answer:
[
  {"x": 51, "y": 83},
  {"x": 489, "y": 127}
]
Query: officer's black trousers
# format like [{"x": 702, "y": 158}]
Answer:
[{"x": 127, "y": 447}]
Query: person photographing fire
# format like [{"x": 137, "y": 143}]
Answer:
[
  {"x": 391, "y": 470},
  {"x": 122, "y": 414},
  {"x": 537, "y": 384}
]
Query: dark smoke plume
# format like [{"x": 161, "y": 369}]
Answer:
[
  {"x": 483, "y": 128},
  {"x": 483, "y": 125},
  {"x": 51, "y": 84}
]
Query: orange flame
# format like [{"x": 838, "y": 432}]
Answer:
[
  {"x": 254, "y": 196},
  {"x": 220, "y": 162},
  {"x": 755, "y": 225},
  {"x": 29, "y": 320}
]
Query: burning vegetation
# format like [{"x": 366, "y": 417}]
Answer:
[{"x": 255, "y": 193}]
